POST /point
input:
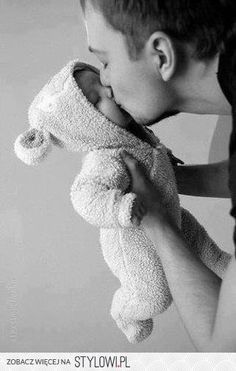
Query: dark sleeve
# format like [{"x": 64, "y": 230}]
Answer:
[
  {"x": 227, "y": 80},
  {"x": 232, "y": 162}
]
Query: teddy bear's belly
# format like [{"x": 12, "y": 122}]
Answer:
[{"x": 133, "y": 259}]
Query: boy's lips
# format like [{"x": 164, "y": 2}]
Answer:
[{"x": 118, "y": 104}]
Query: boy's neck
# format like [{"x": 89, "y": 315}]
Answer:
[
  {"x": 140, "y": 132},
  {"x": 200, "y": 89}
]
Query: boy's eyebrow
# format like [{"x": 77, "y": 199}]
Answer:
[{"x": 95, "y": 51}]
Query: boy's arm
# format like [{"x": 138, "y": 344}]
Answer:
[
  {"x": 102, "y": 207},
  {"x": 207, "y": 307},
  {"x": 97, "y": 195},
  {"x": 207, "y": 180},
  {"x": 210, "y": 180}
]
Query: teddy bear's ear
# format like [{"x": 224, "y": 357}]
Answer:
[{"x": 33, "y": 146}]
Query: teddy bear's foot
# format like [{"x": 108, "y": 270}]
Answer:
[{"x": 136, "y": 331}]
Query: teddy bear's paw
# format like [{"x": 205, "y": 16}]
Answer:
[
  {"x": 137, "y": 331},
  {"x": 131, "y": 308}
]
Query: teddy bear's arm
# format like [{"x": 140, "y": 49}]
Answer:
[{"x": 99, "y": 196}]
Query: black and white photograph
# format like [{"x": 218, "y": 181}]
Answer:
[{"x": 118, "y": 177}]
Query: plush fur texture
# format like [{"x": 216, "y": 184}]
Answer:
[{"x": 62, "y": 115}]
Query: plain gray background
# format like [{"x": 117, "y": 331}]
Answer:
[{"x": 55, "y": 287}]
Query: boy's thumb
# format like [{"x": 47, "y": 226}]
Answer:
[
  {"x": 129, "y": 160},
  {"x": 134, "y": 167}
]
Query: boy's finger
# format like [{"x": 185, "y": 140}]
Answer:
[{"x": 132, "y": 164}]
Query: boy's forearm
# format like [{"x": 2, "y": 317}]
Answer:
[
  {"x": 209, "y": 180},
  {"x": 194, "y": 287}
]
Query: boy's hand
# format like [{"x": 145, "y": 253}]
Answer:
[
  {"x": 147, "y": 193},
  {"x": 140, "y": 183}
]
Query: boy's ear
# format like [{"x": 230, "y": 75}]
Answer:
[{"x": 161, "y": 49}]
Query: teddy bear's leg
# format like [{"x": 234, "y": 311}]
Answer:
[
  {"x": 132, "y": 315},
  {"x": 136, "y": 331},
  {"x": 144, "y": 291}
]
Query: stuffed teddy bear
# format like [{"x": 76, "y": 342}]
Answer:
[{"x": 62, "y": 115}]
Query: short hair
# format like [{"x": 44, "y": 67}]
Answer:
[{"x": 202, "y": 23}]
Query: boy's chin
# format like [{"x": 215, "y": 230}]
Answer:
[
  {"x": 141, "y": 121},
  {"x": 149, "y": 122}
]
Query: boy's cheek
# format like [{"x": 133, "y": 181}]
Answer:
[{"x": 93, "y": 97}]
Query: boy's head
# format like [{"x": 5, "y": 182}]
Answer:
[
  {"x": 70, "y": 111},
  {"x": 200, "y": 22},
  {"x": 145, "y": 47},
  {"x": 101, "y": 97}
]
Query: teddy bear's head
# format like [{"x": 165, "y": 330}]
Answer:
[{"x": 61, "y": 114}]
